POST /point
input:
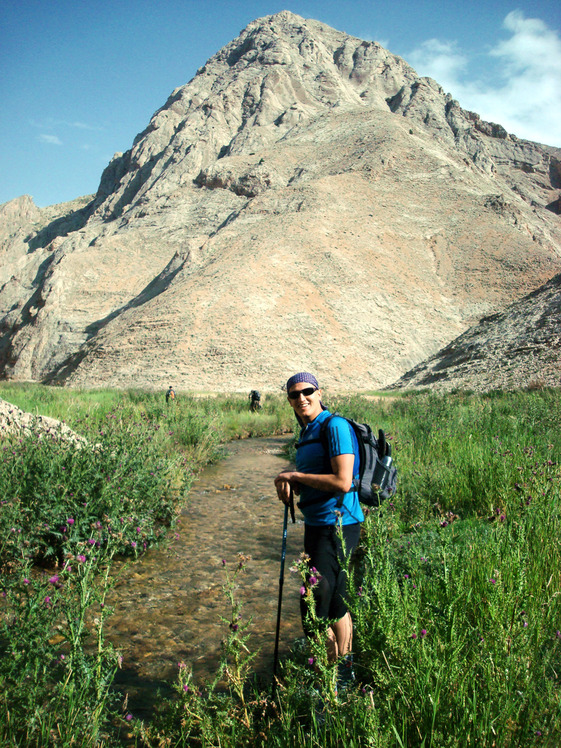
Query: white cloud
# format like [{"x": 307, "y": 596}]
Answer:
[
  {"x": 83, "y": 126},
  {"x": 526, "y": 100},
  {"x": 443, "y": 59},
  {"x": 50, "y": 139},
  {"x": 51, "y": 122}
]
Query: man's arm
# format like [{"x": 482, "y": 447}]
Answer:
[{"x": 339, "y": 481}]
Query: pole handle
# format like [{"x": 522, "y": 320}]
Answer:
[{"x": 291, "y": 504}]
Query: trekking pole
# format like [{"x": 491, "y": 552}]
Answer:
[{"x": 281, "y": 582}]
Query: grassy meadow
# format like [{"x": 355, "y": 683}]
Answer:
[{"x": 456, "y": 593}]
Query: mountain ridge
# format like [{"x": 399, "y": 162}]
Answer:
[{"x": 305, "y": 201}]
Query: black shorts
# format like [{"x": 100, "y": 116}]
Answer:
[{"x": 325, "y": 549}]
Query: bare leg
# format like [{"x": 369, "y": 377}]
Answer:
[
  {"x": 332, "y": 647},
  {"x": 340, "y": 638},
  {"x": 343, "y": 631}
]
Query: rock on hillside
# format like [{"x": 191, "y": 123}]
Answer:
[
  {"x": 306, "y": 201},
  {"x": 16, "y": 422},
  {"x": 520, "y": 347}
]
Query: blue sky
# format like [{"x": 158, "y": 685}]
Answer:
[{"x": 78, "y": 82}]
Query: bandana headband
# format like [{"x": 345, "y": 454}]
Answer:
[{"x": 303, "y": 376}]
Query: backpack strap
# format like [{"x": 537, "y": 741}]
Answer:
[{"x": 324, "y": 439}]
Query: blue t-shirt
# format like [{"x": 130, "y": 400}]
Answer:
[{"x": 319, "y": 507}]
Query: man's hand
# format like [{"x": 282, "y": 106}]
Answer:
[{"x": 283, "y": 486}]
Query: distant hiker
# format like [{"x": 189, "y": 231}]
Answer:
[
  {"x": 170, "y": 395},
  {"x": 327, "y": 499},
  {"x": 255, "y": 400}
]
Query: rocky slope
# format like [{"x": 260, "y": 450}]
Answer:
[
  {"x": 17, "y": 423},
  {"x": 306, "y": 201},
  {"x": 519, "y": 347}
]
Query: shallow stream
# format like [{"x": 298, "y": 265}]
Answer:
[{"x": 168, "y": 604}]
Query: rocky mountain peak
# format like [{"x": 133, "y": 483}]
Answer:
[
  {"x": 281, "y": 72},
  {"x": 305, "y": 201}
]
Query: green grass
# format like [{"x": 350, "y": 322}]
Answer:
[{"x": 456, "y": 594}]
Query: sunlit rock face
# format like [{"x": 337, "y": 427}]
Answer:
[
  {"x": 519, "y": 347},
  {"x": 307, "y": 201}
]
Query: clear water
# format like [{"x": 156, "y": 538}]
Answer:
[{"x": 168, "y": 605}]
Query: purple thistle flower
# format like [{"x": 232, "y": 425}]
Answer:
[
  {"x": 310, "y": 660},
  {"x": 26, "y": 581},
  {"x": 302, "y": 590},
  {"x": 423, "y": 633},
  {"x": 70, "y": 521},
  {"x": 493, "y": 581},
  {"x": 81, "y": 558},
  {"x": 186, "y": 688},
  {"x": 47, "y": 600},
  {"x": 128, "y": 717},
  {"x": 54, "y": 579},
  {"x": 313, "y": 580},
  {"x": 413, "y": 636}
]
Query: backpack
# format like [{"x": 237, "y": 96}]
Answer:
[{"x": 377, "y": 478}]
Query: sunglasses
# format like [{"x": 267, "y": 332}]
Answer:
[{"x": 306, "y": 392}]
